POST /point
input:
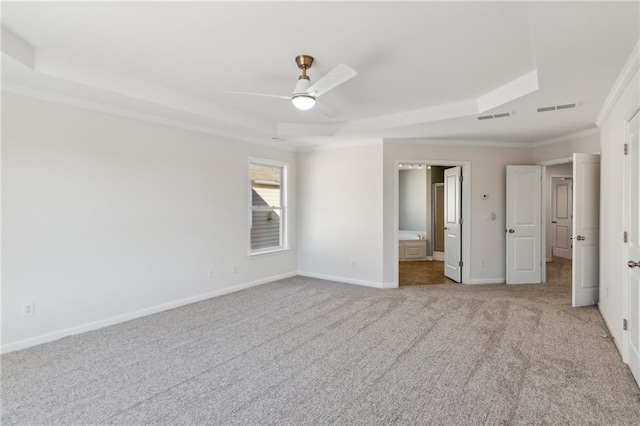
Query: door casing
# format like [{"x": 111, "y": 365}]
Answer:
[
  {"x": 466, "y": 212},
  {"x": 630, "y": 253}
]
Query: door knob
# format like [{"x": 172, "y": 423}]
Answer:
[
  {"x": 632, "y": 264},
  {"x": 444, "y": 228},
  {"x": 511, "y": 231},
  {"x": 580, "y": 238}
]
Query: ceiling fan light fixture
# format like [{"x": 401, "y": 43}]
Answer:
[
  {"x": 303, "y": 101},
  {"x": 301, "y": 98}
]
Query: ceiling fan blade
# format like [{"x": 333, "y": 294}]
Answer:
[
  {"x": 327, "y": 110},
  {"x": 334, "y": 78},
  {"x": 258, "y": 94}
]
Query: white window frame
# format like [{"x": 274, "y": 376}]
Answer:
[{"x": 284, "y": 218}]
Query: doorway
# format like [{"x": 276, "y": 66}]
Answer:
[
  {"x": 561, "y": 222},
  {"x": 558, "y": 205},
  {"x": 584, "y": 189},
  {"x": 431, "y": 238}
]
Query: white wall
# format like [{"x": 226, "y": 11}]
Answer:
[
  {"x": 585, "y": 142},
  {"x": 488, "y": 175},
  {"x": 612, "y": 247},
  {"x": 340, "y": 214},
  {"x": 551, "y": 171},
  {"x": 413, "y": 200},
  {"x": 105, "y": 218}
]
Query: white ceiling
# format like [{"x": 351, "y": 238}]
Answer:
[{"x": 425, "y": 69}]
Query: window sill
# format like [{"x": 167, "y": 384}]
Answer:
[{"x": 272, "y": 251}]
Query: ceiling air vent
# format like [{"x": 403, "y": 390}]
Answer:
[
  {"x": 489, "y": 117},
  {"x": 547, "y": 109},
  {"x": 566, "y": 106},
  {"x": 557, "y": 107}
]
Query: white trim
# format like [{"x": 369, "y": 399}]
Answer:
[
  {"x": 327, "y": 145},
  {"x": 94, "y": 325},
  {"x": 609, "y": 328},
  {"x": 629, "y": 69},
  {"x": 455, "y": 142},
  {"x": 346, "y": 280},
  {"x": 566, "y": 138},
  {"x": 624, "y": 347},
  {"x": 487, "y": 281},
  {"x": 438, "y": 256}
]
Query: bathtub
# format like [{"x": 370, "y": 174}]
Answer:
[
  {"x": 412, "y": 245},
  {"x": 411, "y": 235}
]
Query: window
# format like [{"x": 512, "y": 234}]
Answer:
[{"x": 267, "y": 201}]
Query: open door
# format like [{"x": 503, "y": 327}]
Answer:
[
  {"x": 452, "y": 223},
  {"x": 586, "y": 229},
  {"x": 524, "y": 226},
  {"x": 633, "y": 245}
]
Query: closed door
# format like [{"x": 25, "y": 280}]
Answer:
[
  {"x": 524, "y": 228},
  {"x": 586, "y": 230},
  {"x": 561, "y": 216},
  {"x": 452, "y": 225},
  {"x": 632, "y": 259}
]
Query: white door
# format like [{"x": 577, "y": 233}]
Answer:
[
  {"x": 633, "y": 245},
  {"x": 586, "y": 229},
  {"x": 561, "y": 216},
  {"x": 524, "y": 227},
  {"x": 452, "y": 219}
]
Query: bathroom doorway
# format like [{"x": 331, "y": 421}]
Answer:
[{"x": 423, "y": 230}]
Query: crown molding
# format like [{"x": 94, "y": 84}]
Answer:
[
  {"x": 629, "y": 69},
  {"x": 456, "y": 142},
  {"x": 127, "y": 113},
  {"x": 355, "y": 143},
  {"x": 566, "y": 138}
]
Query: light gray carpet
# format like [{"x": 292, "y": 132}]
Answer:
[{"x": 307, "y": 351}]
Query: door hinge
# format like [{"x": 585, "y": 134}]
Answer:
[
  {"x": 624, "y": 324},
  {"x": 626, "y": 149},
  {"x": 460, "y": 178},
  {"x": 460, "y": 221},
  {"x": 460, "y": 264},
  {"x": 625, "y": 237}
]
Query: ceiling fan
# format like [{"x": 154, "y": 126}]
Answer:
[{"x": 305, "y": 94}]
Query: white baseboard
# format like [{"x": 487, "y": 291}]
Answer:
[
  {"x": 429, "y": 257},
  {"x": 438, "y": 255},
  {"x": 615, "y": 341},
  {"x": 94, "y": 325},
  {"x": 347, "y": 280},
  {"x": 487, "y": 281}
]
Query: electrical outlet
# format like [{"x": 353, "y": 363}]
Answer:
[
  {"x": 235, "y": 269},
  {"x": 353, "y": 263},
  {"x": 28, "y": 309},
  {"x": 212, "y": 273}
]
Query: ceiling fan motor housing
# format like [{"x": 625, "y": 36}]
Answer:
[{"x": 304, "y": 61}]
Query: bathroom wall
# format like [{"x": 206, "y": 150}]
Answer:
[{"x": 413, "y": 200}]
